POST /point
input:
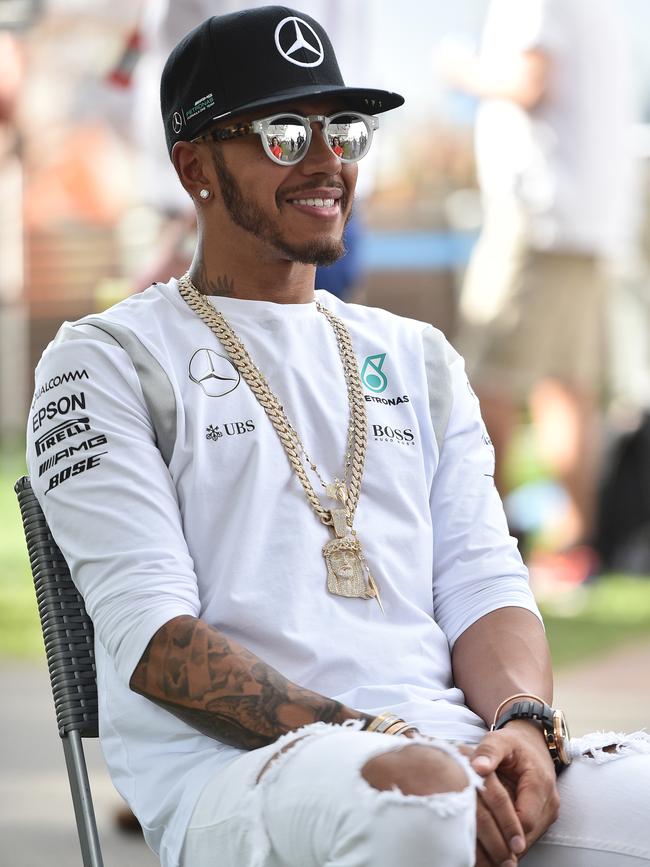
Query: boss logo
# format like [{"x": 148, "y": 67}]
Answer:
[{"x": 387, "y": 434}]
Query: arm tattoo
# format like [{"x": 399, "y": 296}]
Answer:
[
  {"x": 223, "y": 285},
  {"x": 223, "y": 690}
]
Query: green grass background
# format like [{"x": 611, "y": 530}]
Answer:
[{"x": 612, "y": 611}]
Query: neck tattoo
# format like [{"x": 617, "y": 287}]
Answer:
[{"x": 223, "y": 285}]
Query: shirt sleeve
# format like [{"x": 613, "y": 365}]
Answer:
[
  {"x": 476, "y": 564},
  {"x": 108, "y": 496}
]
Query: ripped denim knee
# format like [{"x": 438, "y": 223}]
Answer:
[
  {"x": 604, "y": 746},
  {"x": 312, "y": 805}
]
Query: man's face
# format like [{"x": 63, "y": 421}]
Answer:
[
  {"x": 298, "y": 211},
  {"x": 341, "y": 566}
]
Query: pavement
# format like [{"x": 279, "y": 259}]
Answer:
[{"x": 36, "y": 818}]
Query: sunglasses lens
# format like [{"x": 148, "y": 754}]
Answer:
[
  {"x": 287, "y": 138},
  {"x": 348, "y": 136}
]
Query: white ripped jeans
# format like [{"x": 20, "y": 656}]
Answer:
[{"x": 313, "y": 808}]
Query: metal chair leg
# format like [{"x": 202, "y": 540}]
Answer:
[{"x": 82, "y": 800}]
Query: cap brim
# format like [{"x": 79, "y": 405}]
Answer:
[{"x": 366, "y": 100}]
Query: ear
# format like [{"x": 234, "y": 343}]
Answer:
[{"x": 191, "y": 161}]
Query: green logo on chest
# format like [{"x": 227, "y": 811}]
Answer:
[{"x": 372, "y": 375}]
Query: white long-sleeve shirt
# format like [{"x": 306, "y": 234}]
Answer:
[{"x": 169, "y": 493}]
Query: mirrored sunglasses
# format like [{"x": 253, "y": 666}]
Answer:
[{"x": 286, "y": 137}]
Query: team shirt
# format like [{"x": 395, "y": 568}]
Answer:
[{"x": 169, "y": 493}]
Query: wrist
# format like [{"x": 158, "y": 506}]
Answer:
[
  {"x": 529, "y": 730},
  {"x": 508, "y": 704},
  {"x": 390, "y": 724},
  {"x": 549, "y": 721}
]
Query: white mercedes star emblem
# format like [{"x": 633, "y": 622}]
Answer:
[
  {"x": 304, "y": 36},
  {"x": 177, "y": 122},
  {"x": 213, "y": 372}
]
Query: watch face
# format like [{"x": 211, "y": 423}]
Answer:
[{"x": 561, "y": 737}]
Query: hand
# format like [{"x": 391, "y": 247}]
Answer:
[
  {"x": 499, "y": 833},
  {"x": 519, "y": 756}
]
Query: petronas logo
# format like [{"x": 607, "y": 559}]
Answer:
[{"x": 372, "y": 375}]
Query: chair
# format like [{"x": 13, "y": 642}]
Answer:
[{"x": 68, "y": 635}]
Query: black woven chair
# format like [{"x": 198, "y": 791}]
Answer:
[{"x": 68, "y": 636}]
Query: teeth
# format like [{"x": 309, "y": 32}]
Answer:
[{"x": 315, "y": 203}]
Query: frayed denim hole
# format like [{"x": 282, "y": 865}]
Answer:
[
  {"x": 604, "y": 747},
  {"x": 443, "y": 804}
]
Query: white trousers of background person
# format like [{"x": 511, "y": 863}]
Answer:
[{"x": 312, "y": 808}]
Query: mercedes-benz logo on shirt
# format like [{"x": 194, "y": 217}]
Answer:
[
  {"x": 215, "y": 373},
  {"x": 293, "y": 35}
]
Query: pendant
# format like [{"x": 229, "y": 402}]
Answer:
[
  {"x": 347, "y": 571},
  {"x": 337, "y": 490},
  {"x": 340, "y": 522}
]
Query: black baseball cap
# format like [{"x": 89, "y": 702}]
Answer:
[{"x": 251, "y": 59}]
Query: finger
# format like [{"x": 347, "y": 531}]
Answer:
[
  {"x": 482, "y": 859},
  {"x": 490, "y": 753},
  {"x": 491, "y": 838},
  {"x": 505, "y": 821},
  {"x": 538, "y": 806}
]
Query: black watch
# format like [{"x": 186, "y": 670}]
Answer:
[{"x": 552, "y": 722}]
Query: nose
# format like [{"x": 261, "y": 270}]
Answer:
[{"x": 320, "y": 158}]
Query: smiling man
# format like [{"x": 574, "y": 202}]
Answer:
[{"x": 281, "y": 513}]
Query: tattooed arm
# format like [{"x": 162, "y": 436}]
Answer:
[{"x": 223, "y": 690}]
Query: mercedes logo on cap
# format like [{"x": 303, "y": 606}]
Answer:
[
  {"x": 215, "y": 373},
  {"x": 177, "y": 122},
  {"x": 293, "y": 34}
]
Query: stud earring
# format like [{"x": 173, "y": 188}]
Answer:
[{"x": 205, "y": 194}]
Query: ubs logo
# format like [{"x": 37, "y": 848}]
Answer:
[
  {"x": 215, "y": 373},
  {"x": 215, "y": 432}
]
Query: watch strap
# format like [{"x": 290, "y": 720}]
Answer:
[{"x": 535, "y": 711}]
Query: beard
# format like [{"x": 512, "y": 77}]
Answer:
[{"x": 250, "y": 217}]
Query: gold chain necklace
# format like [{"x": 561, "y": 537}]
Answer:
[{"x": 347, "y": 570}]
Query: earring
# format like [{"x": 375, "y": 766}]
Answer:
[{"x": 205, "y": 194}]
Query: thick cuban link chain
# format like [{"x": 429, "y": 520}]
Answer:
[{"x": 357, "y": 437}]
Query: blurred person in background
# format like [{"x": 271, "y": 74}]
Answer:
[
  {"x": 12, "y": 328},
  {"x": 160, "y": 25},
  {"x": 554, "y": 169},
  {"x": 12, "y": 66}
]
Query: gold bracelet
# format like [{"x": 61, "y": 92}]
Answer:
[
  {"x": 399, "y": 728},
  {"x": 389, "y": 723},
  {"x": 395, "y": 727},
  {"x": 512, "y": 698},
  {"x": 381, "y": 722}
]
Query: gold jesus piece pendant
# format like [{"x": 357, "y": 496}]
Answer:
[{"x": 347, "y": 572}]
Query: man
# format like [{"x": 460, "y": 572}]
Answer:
[
  {"x": 162, "y": 24},
  {"x": 554, "y": 167},
  {"x": 257, "y": 487}
]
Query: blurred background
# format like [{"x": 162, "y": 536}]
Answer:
[{"x": 520, "y": 161}]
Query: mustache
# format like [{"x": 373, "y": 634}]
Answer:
[{"x": 329, "y": 183}]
